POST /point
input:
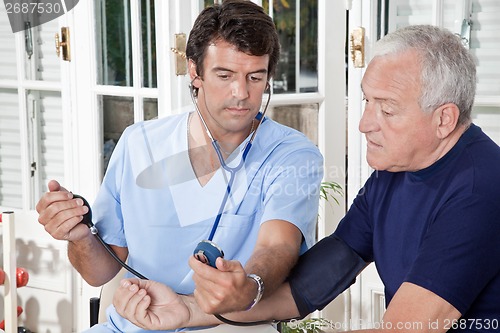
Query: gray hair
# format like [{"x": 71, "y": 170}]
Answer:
[{"x": 448, "y": 70}]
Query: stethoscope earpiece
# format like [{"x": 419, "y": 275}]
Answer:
[{"x": 232, "y": 170}]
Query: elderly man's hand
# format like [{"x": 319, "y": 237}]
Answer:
[{"x": 151, "y": 305}]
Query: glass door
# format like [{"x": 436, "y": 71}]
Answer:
[
  {"x": 126, "y": 73},
  {"x": 126, "y": 80},
  {"x": 129, "y": 70}
]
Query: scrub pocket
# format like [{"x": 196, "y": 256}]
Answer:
[{"x": 234, "y": 230}]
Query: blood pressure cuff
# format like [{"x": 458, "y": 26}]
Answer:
[{"x": 322, "y": 273}]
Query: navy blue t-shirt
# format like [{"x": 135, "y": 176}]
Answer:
[{"x": 438, "y": 228}]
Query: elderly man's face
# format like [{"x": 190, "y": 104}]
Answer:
[{"x": 400, "y": 136}]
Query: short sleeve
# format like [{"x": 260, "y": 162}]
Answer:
[
  {"x": 291, "y": 190},
  {"x": 106, "y": 206},
  {"x": 356, "y": 227}
]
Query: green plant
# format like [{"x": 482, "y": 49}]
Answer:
[
  {"x": 310, "y": 325},
  {"x": 331, "y": 190}
]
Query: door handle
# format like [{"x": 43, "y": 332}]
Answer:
[
  {"x": 64, "y": 44},
  {"x": 180, "y": 54},
  {"x": 358, "y": 47}
]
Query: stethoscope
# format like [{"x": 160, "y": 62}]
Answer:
[
  {"x": 207, "y": 251},
  {"x": 232, "y": 170},
  {"x": 87, "y": 218}
]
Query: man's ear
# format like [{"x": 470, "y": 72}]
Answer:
[
  {"x": 447, "y": 119},
  {"x": 193, "y": 74}
]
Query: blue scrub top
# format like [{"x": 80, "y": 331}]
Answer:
[{"x": 152, "y": 203}]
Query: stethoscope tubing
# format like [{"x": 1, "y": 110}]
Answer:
[
  {"x": 232, "y": 174},
  {"x": 232, "y": 170}
]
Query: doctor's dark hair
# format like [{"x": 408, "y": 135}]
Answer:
[
  {"x": 448, "y": 70},
  {"x": 242, "y": 24}
]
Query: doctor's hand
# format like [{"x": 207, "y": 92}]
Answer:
[
  {"x": 61, "y": 215},
  {"x": 222, "y": 290},
  {"x": 151, "y": 305}
]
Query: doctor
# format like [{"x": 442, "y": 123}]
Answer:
[{"x": 164, "y": 183}]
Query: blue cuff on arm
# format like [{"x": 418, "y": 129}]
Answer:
[{"x": 323, "y": 273}]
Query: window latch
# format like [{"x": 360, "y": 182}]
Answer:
[
  {"x": 33, "y": 169},
  {"x": 465, "y": 32}
]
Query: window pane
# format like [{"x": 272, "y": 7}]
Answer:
[
  {"x": 284, "y": 18},
  {"x": 118, "y": 113},
  {"x": 44, "y": 63},
  {"x": 150, "y": 108},
  {"x": 485, "y": 47},
  {"x": 114, "y": 42},
  {"x": 148, "y": 43},
  {"x": 7, "y": 48},
  {"x": 48, "y": 140},
  {"x": 10, "y": 151},
  {"x": 298, "y": 65},
  {"x": 308, "y": 79},
  {"x": 302, "y": 117}
]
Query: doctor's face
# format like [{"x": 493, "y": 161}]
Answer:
[
  {"x": 399, "y": 134},
  {"x": 231, "y": 88}
]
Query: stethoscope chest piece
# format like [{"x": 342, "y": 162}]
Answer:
[{"x": 207, "y": 252}]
